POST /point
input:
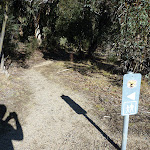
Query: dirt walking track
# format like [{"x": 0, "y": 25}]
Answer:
[{"x": 60, "y": 119}]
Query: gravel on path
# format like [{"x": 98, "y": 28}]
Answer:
[{"x": 58, "y": 119}]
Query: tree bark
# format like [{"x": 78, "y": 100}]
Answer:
[
  {"x": 92, "y": 49},
  {"x": 1, "y": 41},
  {"x": 2, "y": 61},
  {"x": 38, "y": 35}
]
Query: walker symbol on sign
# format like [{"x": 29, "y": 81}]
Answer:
[{"x": 130, "y": 108}]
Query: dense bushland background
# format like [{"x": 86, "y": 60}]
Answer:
[{"x": 117, "y": 31}]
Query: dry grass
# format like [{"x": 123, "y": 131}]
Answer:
[
  {"x": 14, "y": 94},
  {"x": 105, "y": 92}
]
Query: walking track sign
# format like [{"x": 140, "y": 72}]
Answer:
[
  {"x": 130, "y": 93},
  {"x": 130, "y": 100}
]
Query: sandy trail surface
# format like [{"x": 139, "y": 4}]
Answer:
[{"x": 59, "y": 119}]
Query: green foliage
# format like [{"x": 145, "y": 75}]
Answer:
[
  {"x": 11, "y": 31},
  {"x": 30, "y": 46},
  {"x": 63, "y": 41},
  {"x": 112, "y": 58},
  {"x": 20, "y": 19},
  {"x": 11, "y": 36},
  {"x": 47, "y": 22},
  {"x": 135, "y": 29},
  {"x": 85, "y": 24}
]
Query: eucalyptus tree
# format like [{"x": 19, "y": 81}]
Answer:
[
  {"x": 38, "y": 11},
  {"x": 134, "y": 18}
]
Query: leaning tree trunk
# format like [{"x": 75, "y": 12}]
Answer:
[
  {"x": 37, "y": 28},
  {"x": 1, "y": 41},
  {"x": 38, "y": 35}
]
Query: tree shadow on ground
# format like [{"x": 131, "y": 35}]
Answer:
[
  {"x": 19, "y": 58},
  {"x": 103, "y": 65},
  {"x": 62, "y": 54},
  {"x": 116, "y": 81},
  {"x": 57, "y": 54},
  {"x": 85, "y": 66},
  {"x": 80, "y": 110},
  {"x": 83, "y": 69},
  {"x": 7, "y": 131},
  {"x": 96, "y": 65},
  {"x": 91, "y": 70}
]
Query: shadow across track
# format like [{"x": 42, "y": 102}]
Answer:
[{"x": 80, "y": 110}]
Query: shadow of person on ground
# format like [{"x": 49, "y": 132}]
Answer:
[
  {"x": 80, "y": 110},
  {"x": 7, "y": 132}
]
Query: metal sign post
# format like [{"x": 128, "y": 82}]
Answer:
[
  {"x": 130, "y": 100},
  {"x": 125, "y": 132}
]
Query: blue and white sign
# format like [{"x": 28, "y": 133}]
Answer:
[{"x": 130, "y": 93}]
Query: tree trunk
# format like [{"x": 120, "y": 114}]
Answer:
[
  {"x": 37, "y": 28},
  {"x": 71, "y": 57},
  {"x": 92, "y": 49},
  {"x": 38, "y": 35},
  {"x": 2, "y": 61},
  {"x": 1, "y": 41}
]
